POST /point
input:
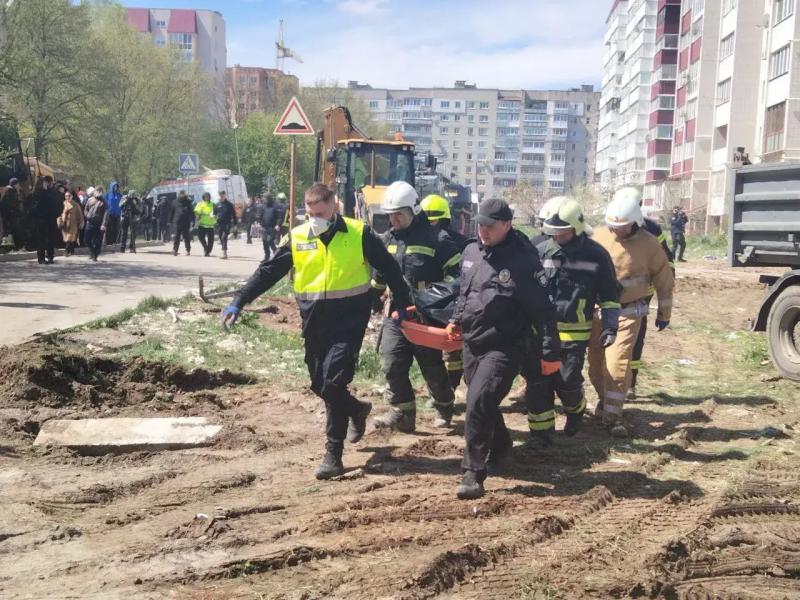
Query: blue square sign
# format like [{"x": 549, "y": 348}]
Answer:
[{"x": 188, "y": 163}]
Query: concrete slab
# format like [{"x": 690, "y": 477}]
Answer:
[{"x": 103, "y": 436}]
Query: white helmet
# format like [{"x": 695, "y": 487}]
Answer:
[
  {"x": 568, "y": 216},
  {"x": 551, "y": 207},
  {"x": 90, "y": 192},
  {"x": 625, "y": 208},
  {"x": 398, "y": 196}
]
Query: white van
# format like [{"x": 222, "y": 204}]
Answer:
[{"x": 213, "y": 182}]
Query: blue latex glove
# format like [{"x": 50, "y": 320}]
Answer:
[
  {"x": 229, "y": 315},
  {"x": 661, "y": 325},
  {"x": 399, "y": 315}
]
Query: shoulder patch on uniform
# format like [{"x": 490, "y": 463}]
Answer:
[
  {"x": 392, "y": 248},
  {"x": 504, "y": 276},
  {"x": 307, "y": 246}
]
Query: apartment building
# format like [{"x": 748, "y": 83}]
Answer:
[
  {"x": 491, "y": 139},
  {"x": 199, "y": 35},
  {"x": 251, "y": 89}
]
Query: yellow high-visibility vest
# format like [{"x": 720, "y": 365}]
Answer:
[{"x": 338, "y": 270}]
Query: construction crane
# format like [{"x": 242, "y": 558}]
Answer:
[{"x": 282, "y": 52}]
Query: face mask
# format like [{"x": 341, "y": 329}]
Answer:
[{"x": 319, "y": 225}]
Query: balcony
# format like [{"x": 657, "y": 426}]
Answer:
[
  {"x": 667, "y": 73},
  {"x": 668, "y": 42},
  {"x": 662, "y": 103}
]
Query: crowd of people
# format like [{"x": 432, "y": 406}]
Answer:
[{"x": 536, "y": 307}]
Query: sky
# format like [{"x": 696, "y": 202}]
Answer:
[{"x": 514, "y": 44}]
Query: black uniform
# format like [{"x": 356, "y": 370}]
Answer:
[
  {"x": 128, "y": 221},
  {"x": 226, "y": 218},
  {"x": 677, "y": 228},
  {"x": 333, "y": 328},
  {"x": 11, "y": 214},
  {"x": 426, "y": 255},
  {"x": 47, "y": 206},
  {"x": 163, "y": 215},
  {"x": 580, "y": 275},
  {"x": 248, "y": 218},
  {"x": 636, "y": 358},
  {"x": 502, "y": 299},
  {"x": 146, "y": 219},
  {"x": 269, "y": 217},
  {"x": 182, "y": 220}
]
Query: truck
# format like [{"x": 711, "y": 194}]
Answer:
[{"x": 764, "y": 231}]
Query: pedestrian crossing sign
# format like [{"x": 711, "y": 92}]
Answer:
[{"x": 188, "y": 163}]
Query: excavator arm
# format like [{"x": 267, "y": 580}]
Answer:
[{"x": 337, "y": 125}]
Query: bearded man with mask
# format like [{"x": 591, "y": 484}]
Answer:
[
  {"x": 580, "y": 276},
  {"x": 332, "y": 257}
]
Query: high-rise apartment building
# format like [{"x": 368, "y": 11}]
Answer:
[
  {"x": 199, "y": 35},
  {"x": 491, "y": 139},
  {"x": 251, "y": 89}
]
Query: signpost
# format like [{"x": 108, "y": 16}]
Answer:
[
  {"x": 188, "y": 164},
  {"x": 293, "y": 122}
]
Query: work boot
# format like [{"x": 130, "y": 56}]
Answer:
[
  {"x": 631, "y": 395},
  {"x": 224, "y": 255},
  {"x": 331, "y": 465},
  {"x": 174, "y": 253},
  {"x": 444, "y": 416},
  {"x": 618, "y": 430},
  {"x": 500, "y": 456},
  {"x": 574, "y": 424},
  {"x": 358, "y": 422},
  {"x": 188, "y": 252},
  {"x": 397, "y": 420},
  {"x": 471, "y": 486},
  {"x": 539, "y": 440}
]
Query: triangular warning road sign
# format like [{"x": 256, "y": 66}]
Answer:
[{"x": 294, "y": 121}]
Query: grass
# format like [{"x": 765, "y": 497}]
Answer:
[
  {"x": 148, "y": 305},
  {"x": 698, "y": 246}
]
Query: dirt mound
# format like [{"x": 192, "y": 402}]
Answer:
[{"x": 37, "y": 374}]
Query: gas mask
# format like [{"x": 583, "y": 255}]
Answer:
[{"x": 319, "y": 225}]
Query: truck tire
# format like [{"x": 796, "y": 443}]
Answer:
[{"x": 783, "y": 333}]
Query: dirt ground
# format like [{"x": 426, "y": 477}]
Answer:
[{"x": 702, "y": 503}]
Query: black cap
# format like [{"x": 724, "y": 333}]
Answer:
[{"x": 494, "y": 210}]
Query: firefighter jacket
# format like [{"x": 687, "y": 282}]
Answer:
[
  {"x": 654, "y": 228},
  {"x": 331, "y": 276},
  {"x": 580, "y": 276},
  {"x": 639, "y": 262},
  {"x": 425, "y": 253},
  {"x": 503, "y": 298}
]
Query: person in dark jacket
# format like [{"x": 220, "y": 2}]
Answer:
[
  {"x": 269, "y": 220},
  {"x": 502, "y": 297},
  {"x": 129, "y": 210},
  {"x": 182, "y": 219},
  {"x": 580, "y": 276},
  {"x": 146, "y": 220},
  {"x": 331, "y": 257},
  {"x": 677, "y": 228},
  {"x": 226, "y": 218},
  {"x": 11, "y": 212},
  {"x": 113, "y": 201},
  {"x": 426, "y": 256},
  {"x": 96, "y": 216},
  {"x": 284, "y": 218},
  {"x": 47, "y": 207},
  {"x": 163, "y": 213},
  {"x": 249, "y": 215}
]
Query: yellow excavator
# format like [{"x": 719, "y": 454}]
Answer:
[{"x": 360, "y": 168}]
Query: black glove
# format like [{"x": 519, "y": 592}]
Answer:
[{"x": 608, "y": 337}]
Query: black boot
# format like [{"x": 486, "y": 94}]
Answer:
[
  {"x": 500, "y": 455},
  {"x": 331, "y": 465},
  {"x": 539, "y": 440},
  {"x": 574, "y": 424},
  {"x": 471, "y": 486},
  {"x": 358, "y": 422}
]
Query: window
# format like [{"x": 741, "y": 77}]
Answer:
[
  {"x": 560, "y": 132},
  {"x": 556, "y": 172},
  {"x": 557, "y": 184},
  {"x": 445, "y": 117},
  {"x": 664, "y": 132},
  {"x": 444, "y": 130},
  {"x": 469, "y": 169},
  {"x": 455, "y": 155},
  {"x": 470, "y": 131},
  {"x": 456, "y": 130},
  {"x": 456, "y": 117},
  {"x": 782, "y": 9},
  {"x": 455, "y": 144},
  {"x": 779, "y": 62},
  {"x": 726, "y": 47},
  {"x": 484, "y": 106},
  {"x": 470, "y": 104},
  {"x": 481, "y": 182},
  {"x": 728, "y": 6},
  {"x": 558, "y": 157},
  {"x": 445, "y": 104},
  {"x": 470, "y": 118},
  {"x": 555, "y": 146},
  {"x": 698, "y": 6},
  {"x": 774, "y": 126},
  {"x": 482, "y": 145},
  {"x": 373, "y": 104},
  {"x": 562, "y": 105},
  {"x": 458, "y": 103},
  {"x": 253, "y": 80},
  {"x": 484, "y": 119},
  {"x": 483, "y": 131},
  {"x": 507, "y": 131},
  {"x": 469, "y": 155},
  {"x": 560, "y": 118},
  {"x": 160, "y": 23},
  {"x": 469, "y": 143},
  {"x": 724, "y": 91}
]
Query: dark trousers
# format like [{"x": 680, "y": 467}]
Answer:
[
  {"x": 182, "y": 231},
  {"x": 678, "y": 245},
  {"x": 541, "y": 391},
  {"x": 454, "y": 363},
  {"x": 248, "y": 227},
  {"x": 112, "y": 229},
  {"x": 396, "y": 356},
  {"x": 94, "y": 239},
  {"x": 70, "y": 248},
  {"x": 127, "y": 226},
  {"x": 206, "y": 237},
  {"x": 224, "y": 232},
  {"x": 331, "y": 362},
  {"x": 46, "y": 233},
  {"x": 489, "y": 377},
  {"x": 13, "y": 228},
  {"x": 638, "y": 349},
  {"x": 164, "y": 232},
  {"x": 268, "y": 241}
]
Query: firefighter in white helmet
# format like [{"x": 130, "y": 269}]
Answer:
[
  {"x": 579, "y": 276},
  {"x": 426, "y": 255},
  {"x": 547, "y": 210},
  {"x": 640, "y": 263}
]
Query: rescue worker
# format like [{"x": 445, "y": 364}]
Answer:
[
  {"x": 580, "y": 276},
  {"x": 677, "y": 229},
  {"x": 426, "y": 255},
  {"x": 639, "y": 262},
  {"x": 249, "y": 217},
  {"x": 548, "y": 209},
  {"x": 225, "y": 214},
  {"x": 502, "y": 298},
  {"x": 331, "y": 257},
  {"x": 437, "y": 209},
  {"x": 182, "y": 218},
  {"x": 206, "y": 221}
]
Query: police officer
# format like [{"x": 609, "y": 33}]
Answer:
[
  {"x": 426, "y": 255},
  {"x": 437, "y": 209},
  {"x": 225, "y": 213},
  {"x": 331, "y": 256},
  {"x": 502, "y": 298},
  {"x": 580, "y": 276}
]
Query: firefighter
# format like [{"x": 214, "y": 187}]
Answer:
[
  {"x": 639, "y": 262},
  {"x": 437, "y": 209},
  {"x": 331, "y": 257},
  {"x": 548, "y": 209},
  {"x": 426, "y": 255},
  {"x": 651, "y": 226},
  {"x": 580, "y": 276},
  {"x": 502, "y": 298}
]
